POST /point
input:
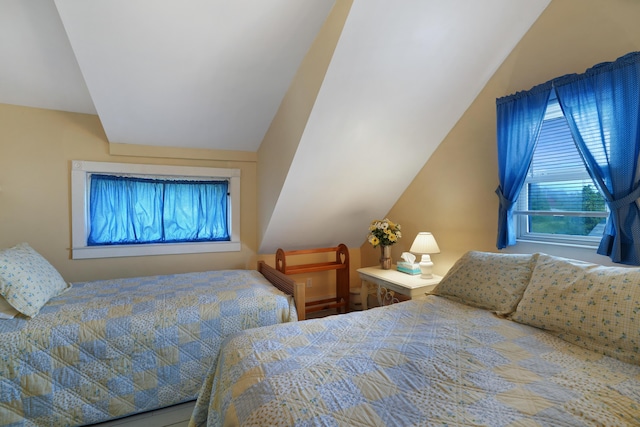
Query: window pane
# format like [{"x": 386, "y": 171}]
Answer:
[
  {"x": 558, "y": 192},
  {"x": 567, "y": 225},
  {"x": 555, "y": 152},
  {"x": 563, "y": 196}
]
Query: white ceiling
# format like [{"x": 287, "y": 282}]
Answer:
[{"x": 212, "y": 73}]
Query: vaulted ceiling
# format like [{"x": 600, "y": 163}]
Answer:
[{"x": 213, "y": 73}]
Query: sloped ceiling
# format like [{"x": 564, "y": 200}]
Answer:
[{"x": 212, "y": 73}]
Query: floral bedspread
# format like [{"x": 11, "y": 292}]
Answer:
[
  {"x": 108, "y": 349},
  {"x": 420, "y": 363}
]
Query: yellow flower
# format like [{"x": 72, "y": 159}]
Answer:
[{"x": 383, "y": 232}]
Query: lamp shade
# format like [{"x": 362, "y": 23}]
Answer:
[{"x": 424, "y": 243}]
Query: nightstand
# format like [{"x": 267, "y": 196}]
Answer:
[{"x": 390, "y": 281}]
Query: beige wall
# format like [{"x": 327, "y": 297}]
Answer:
[
  {"x": 36, "y": 147},
  {"x": 453, "y": 196}
]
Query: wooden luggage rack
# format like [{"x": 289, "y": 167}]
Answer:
[{"x": 340, "y": 265}]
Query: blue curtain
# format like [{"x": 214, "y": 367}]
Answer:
[
  {"x": 609, "y": 95},
  {"x": 519, "y": 119},
  {"x": 125, "y": 210},
  {"x": 194, "y": 212}
]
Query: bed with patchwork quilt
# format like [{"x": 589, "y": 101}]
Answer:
[
  {"x": 507, "y": 340},
  {"x": 101, "y": 350}
]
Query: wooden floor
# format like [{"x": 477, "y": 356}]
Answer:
[
  {"x": 321, "y": 313},
  {"x": 174, "y": 416}
]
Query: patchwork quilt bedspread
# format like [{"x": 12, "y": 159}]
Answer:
[
  {"x": 420, "y": 363},
  {"x": 107, "y": 349}
]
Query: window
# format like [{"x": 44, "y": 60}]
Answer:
[
  {"x": 600, "y": 107},
  {"x": 559, "y": 202},
  {"x": 129, "y": 210}
]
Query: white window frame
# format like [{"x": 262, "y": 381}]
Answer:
[
  {"x": 521, "y": 214},
  {"x": 80, "y": 177},
  {"x": 522, "y": 217}
]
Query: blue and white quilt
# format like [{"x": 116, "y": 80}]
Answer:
[
  {"x": 418, "y": 363},
  {"x": 112, "y": 348}
]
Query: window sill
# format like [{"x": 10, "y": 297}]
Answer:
[
  {"x": 89, "y": 252},
  {"x": 562, "y": 244}
]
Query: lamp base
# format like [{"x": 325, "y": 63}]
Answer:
[{"x": 426, "y": 267}]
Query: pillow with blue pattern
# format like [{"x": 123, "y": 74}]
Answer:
[
  {"x": 493, "y": 281},
  {"x": 27, "y": 280},
  {"x": 590, "y": 305}
]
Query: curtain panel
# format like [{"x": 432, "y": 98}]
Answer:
[
  {"x": 520, "y": 118},
  {"x": 129, "y": 210},
  {"x": 608, "y": 96}
]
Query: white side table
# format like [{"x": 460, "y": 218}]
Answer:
[{"x": 412, "y": 286}]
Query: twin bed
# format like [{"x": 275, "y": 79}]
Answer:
[{"x": 107, "y": 349}]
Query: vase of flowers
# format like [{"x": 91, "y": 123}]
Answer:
[{"x": 384, "y": 233}]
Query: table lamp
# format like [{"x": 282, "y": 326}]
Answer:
[{"x": 425, "y": 244}]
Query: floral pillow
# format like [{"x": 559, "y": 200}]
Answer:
[
  {"x": 590, "y": 305},
  {"x": 27, "y": 280},
  {"x": 492, "y": 281},
  {"x": 6, "y": 310}
]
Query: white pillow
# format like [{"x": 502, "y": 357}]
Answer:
[
  {"x": 27, "y": 280},
  {"x": 6, "y": 310}
]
